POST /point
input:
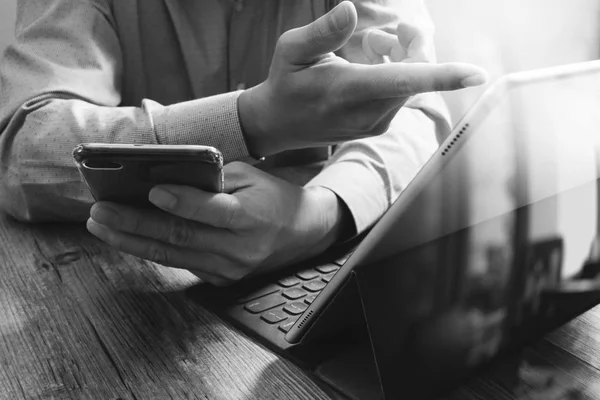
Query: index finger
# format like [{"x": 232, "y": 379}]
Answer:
[
  {"x": 160, "y": 226},
  {"x": 369, "y": 82}
]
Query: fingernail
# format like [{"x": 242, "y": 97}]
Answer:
[
  {"x": 340, "y": 17},
  {"x": 94, "y": 228},
  {"x": 474, "y": 80},
  {"x": 104, "y": 215},
  {"x": 162, "y": 198}
]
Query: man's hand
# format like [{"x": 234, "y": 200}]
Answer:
[
  {"x": 314, "y": 98},
  {"x": 259, "y": 223}
]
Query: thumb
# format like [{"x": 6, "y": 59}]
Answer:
[{"x": 306, "y": 44}]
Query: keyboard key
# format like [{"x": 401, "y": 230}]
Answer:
[
  {"x": 263, "y": 291},
  {"x": 294, "y": 293},
  {"x": 310, "y": 299},
  {"x": 265, "y": 303},
  {"x": 288, "y": 281},
  {"x": 327, "y": 268},
  {"x": 307, "y": 274},
  {"x": 342, "y": 260},
  {"x": 287, "y": 325},
  {"x": 327, "y": 278},
  {"x": 314, "y": 286},
  {"x": 295, "y": 308},
  {"x": 274, "y": 316}
]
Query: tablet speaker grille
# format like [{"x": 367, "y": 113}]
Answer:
[
  {"x": 456, "y": 139},
  {"x": 304, "y": 319}
]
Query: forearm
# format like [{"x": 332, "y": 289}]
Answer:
[
  {"x": 38, "y": 178},
  {"x": 369, "y": 174},
  {"x": 61, "y": 86}
]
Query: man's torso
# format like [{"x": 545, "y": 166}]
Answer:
[{"x": 179, "y": 50}]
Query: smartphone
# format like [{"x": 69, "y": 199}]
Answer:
[{"x": 125, "y": 173}]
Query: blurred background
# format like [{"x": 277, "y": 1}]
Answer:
[
  {"x": 513, "y": 35},
  {"x": 7, "y": 24}
]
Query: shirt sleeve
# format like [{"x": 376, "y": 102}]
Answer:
[
  {"x": 60, "y": 86},
  {"x": 369, "y": 174}
]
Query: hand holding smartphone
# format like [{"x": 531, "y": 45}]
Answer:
[{"x": 125, "y": 173}]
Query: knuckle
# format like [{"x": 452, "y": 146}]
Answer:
[
  {"x": 180, "y": 233},
  {"x": 135, "y": 225},
  {"x": 405, "y": 85},
  {"x": 158, "y": 254},
  {"x": 231, "y": 216}
]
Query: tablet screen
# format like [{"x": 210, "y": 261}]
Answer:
[{"x": 483, "y": 254}]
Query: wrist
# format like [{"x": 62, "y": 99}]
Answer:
[
  {"x": 258, "y": 142},
  {"x": 334, "y": 216}
]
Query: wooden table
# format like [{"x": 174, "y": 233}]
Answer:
[{"x": 80, "y": 321}]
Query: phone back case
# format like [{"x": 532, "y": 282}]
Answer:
[{"x": 128, "y": 178}]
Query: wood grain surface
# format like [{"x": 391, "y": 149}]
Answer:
[{"x": 79, "y": 320}]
